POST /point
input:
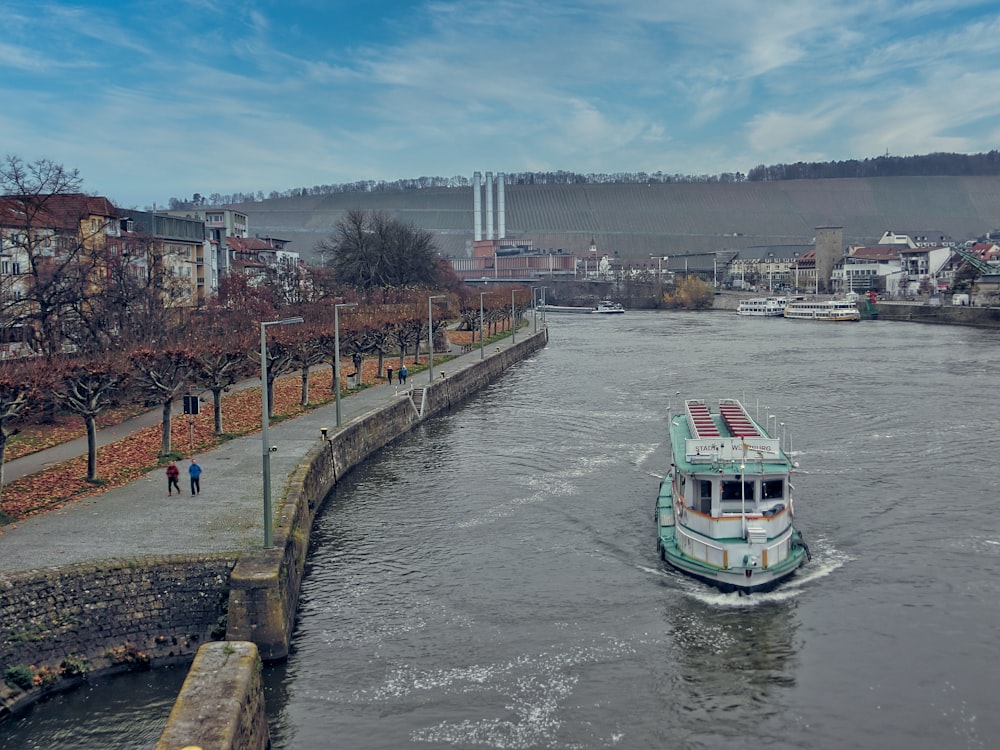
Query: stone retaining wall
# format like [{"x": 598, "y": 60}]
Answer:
[
  {"x": 978, "y": 317},
  {"x": 56, "y": 625}
]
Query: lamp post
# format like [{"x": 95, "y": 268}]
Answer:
[
  {"x": 430, "y": 335},
  {"x": 265, "y": 418},
  {"x": 482, "y": 325},
  {"x": 659, "y": 273},
  {"x": 541, "y": 296},
  {"x": 336, "y": 352},
  {"x": 534, "y": 310}
]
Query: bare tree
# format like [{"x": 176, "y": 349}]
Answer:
[
  {"x": 56, "y": 236},
  {"x": 162, "y": 375},
  {"x": 87, "y": 387},
  {"x": 17, "y": 385},
  {"x": 372, "y": 250}
]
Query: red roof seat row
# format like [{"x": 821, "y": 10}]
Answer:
[
  {"x": 700, "y": 420},
  {"x": 737, "y": 419}
]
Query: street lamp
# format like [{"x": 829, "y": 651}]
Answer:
[
  {"x": 336, "y": 352},
  {"x": 541, "y": 296},
  {"x": 534, "y": 310},
  {"x": 659, "y": 272},
  {"x": 265, "y": 418},
  {"x": 430, "y": 335},
  {"x": 482, "y": 325}
]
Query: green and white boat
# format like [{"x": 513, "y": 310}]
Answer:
[{"x": 724, "y": 511}]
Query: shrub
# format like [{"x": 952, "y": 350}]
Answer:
[{"x": 20, "y": 676}]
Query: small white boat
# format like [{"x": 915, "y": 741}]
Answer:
[
  {"x": 607, "y": 307},
  {"x": 771, "y": 307},
  {"x": 724, "y": 511},
  {"x": 801, "y": 308}
]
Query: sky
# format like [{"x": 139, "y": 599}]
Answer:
[{"x": 151, "y": 100}]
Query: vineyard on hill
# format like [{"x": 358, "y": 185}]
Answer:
[{"x": 639, "y": 220}]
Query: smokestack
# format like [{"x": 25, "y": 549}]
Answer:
[
  {"x": 501, "y": 214},
  {"x": 489, "y": 205},
  {"x": 477, "y": 206}
]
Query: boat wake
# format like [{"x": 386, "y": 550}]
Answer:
[{"x": 826, "y": 560}]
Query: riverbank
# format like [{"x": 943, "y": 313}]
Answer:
[
  {"x": 913, "y": 312},
  {"x": 51, "y": 637}
]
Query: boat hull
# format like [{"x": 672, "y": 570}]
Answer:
[{"x": 743, "y": 580}]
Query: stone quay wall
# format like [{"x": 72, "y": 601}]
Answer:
[
  {"x": 977, "y": 317},
  {"x": 221, "y": 703},
  {"x": 265, "y": 583},
  {"x": 59, "y": 624}
]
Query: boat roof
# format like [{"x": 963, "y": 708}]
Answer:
[{"x": 728, "y": 436}]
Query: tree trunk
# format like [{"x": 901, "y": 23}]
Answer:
[
  {"x": 165, "y": 434},
  {"x": 91, "y": 423},
  {"x": 217, "y": 407},
  {"x": 3, "y": 453}
]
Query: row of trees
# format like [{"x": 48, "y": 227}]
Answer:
[
  {"x": 217, "y": 347},
  {"x": 928, "y": 165}
]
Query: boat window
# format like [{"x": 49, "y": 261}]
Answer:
[
  {"x": 772, "y": 488},
  {"x": 732, "y": 491},
  {"x": 706, "y": 488}
]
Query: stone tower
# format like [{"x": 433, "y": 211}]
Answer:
[{"x": 829, "y": 250}]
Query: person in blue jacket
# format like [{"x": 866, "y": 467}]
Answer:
[{"x": 195, "y": 471}]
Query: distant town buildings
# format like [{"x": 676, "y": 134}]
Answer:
[{"x": 86, "y": 241}]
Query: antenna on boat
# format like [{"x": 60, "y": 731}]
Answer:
[{"x": 670, "y": 411}]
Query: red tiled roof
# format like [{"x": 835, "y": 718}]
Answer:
[{"x": 57, "y": 211}]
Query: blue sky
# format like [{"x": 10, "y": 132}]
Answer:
[{"x": 152, "y": 100}]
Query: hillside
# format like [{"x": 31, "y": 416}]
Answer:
[{"x": 637, "y": 220}]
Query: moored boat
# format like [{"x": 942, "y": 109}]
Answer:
[
  {"x": 607, "y": 307},
  {"x": 565, "y": 309},
  {"x": 802, "y": 308},
  {"x": 724, "y": 511},
  {"x": 762, "y": 306}
]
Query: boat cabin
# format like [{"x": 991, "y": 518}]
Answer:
[
  {"x": 730, "y": 466},
  {"x": 724, "y": 495}
]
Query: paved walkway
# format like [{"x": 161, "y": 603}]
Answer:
[{"x": 140, "y": 519}]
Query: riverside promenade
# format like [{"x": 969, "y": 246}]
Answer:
[{"x": 139, "y": 519}]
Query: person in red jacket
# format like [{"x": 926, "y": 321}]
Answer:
[{"x": 172, "y": 473}]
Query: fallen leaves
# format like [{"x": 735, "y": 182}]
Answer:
[{"x": 132, "y": 457}]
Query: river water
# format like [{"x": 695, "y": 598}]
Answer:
[{"x": 491, "y": 580}]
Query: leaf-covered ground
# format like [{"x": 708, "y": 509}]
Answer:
[{"x": 128, "y": 459}]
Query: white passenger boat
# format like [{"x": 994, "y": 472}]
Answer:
[
  {"x": 724, "y": 511},
  {"x": 762, "y": 306},
  {"x": 607, "y": 307},
  {"x": 802, "y": 308}
]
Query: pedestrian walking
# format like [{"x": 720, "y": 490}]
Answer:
[
  {"x": 402, "y": 375},
  {"x": 389, "y": 372},
  {"x": 172, "y": 473},
  {"x": 195, "y": 471}
]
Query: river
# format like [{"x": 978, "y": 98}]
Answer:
[{"x": 491, "y": 580}]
